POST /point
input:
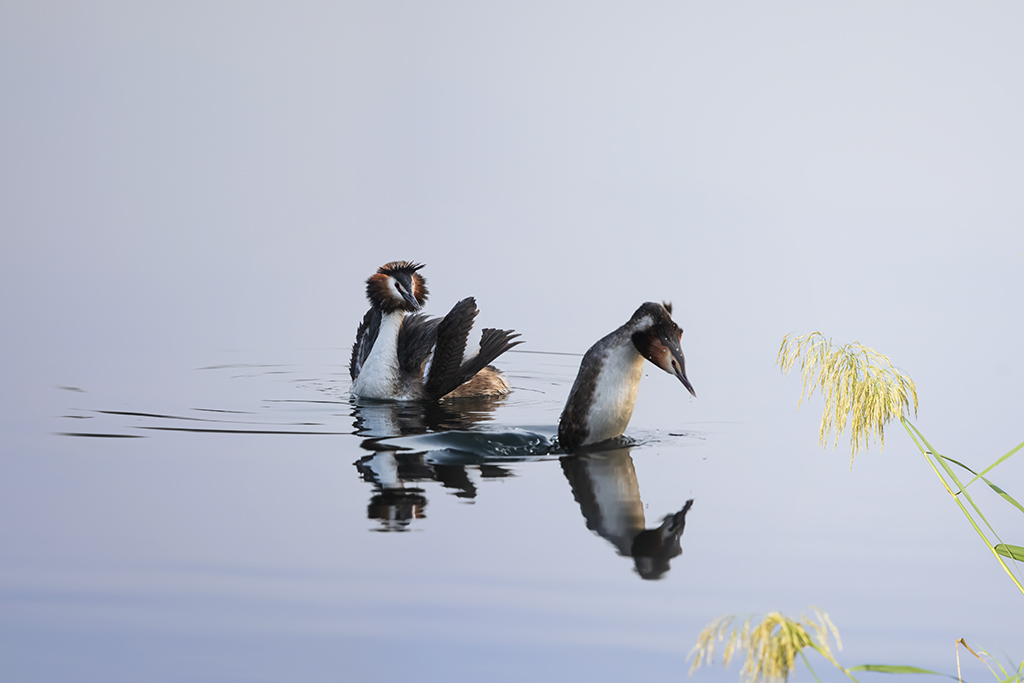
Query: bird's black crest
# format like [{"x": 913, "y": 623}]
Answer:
[
  {"x": 658, "y": 313},
  {"x": 396, "y": 267}
]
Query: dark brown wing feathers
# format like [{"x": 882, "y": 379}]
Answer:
[
  {"x": 493, "y": 343},
  {"x": 416, "y": 341},
  {"x": 452, "y": 333}
]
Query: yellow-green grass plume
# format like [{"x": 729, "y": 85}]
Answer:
[
  {"x": 861, "y": 387},
  {"x": 770, "y": 647}
]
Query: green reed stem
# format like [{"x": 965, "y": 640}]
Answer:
[{"x": 934, "y": 458}]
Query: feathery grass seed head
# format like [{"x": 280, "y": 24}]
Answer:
[
  {"x": 861, "y": 387},
  {"x": 771, "y": 646}
]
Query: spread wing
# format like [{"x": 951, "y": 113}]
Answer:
[
  {"x": 416, "y": 341},
  {"x": 366, "y": 335},
  {"x": 452, "y": 331},
  {"x": 493, "y": 343}
]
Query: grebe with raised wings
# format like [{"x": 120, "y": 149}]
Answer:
[
  {"x": 414, "y": 357},
  {"x": 602, "y": 397}
]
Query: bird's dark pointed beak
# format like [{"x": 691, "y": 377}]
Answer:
[
  {"x": 676, "y": 364},
  {"x": 661, "y": 347},
  {"x": 411, "y": 300}
]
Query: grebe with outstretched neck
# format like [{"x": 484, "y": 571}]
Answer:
[
  {"x": 413, "y": 357},
  {"x": 602, "y": 397}
]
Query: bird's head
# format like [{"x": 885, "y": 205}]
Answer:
[
  {"x": 656, "y": 336},
  {"x": 397, "y": 286}
]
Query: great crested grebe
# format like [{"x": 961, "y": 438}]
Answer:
[
  {"x": 414, "y": 357},
  {"x": 602, "y": 397}
]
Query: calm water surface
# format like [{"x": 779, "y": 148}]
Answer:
[{"x": 236, "y": 516}]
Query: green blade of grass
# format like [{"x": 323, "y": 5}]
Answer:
[
  {"x": 1014, "y": 552},
  {"x": 998, "y": 461},
  {"x": 895, "y": 669},
  {"x": 1004, "y": 494},
  {"x": 992, "y": 486},
  {"x": 957, "y": 462},
  {"x": 927, "y": 451}
]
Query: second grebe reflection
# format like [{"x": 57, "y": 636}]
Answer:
[{"x": 604, "y": 484}]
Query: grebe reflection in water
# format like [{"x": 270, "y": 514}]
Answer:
[{"x": 604, "y": 484}]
